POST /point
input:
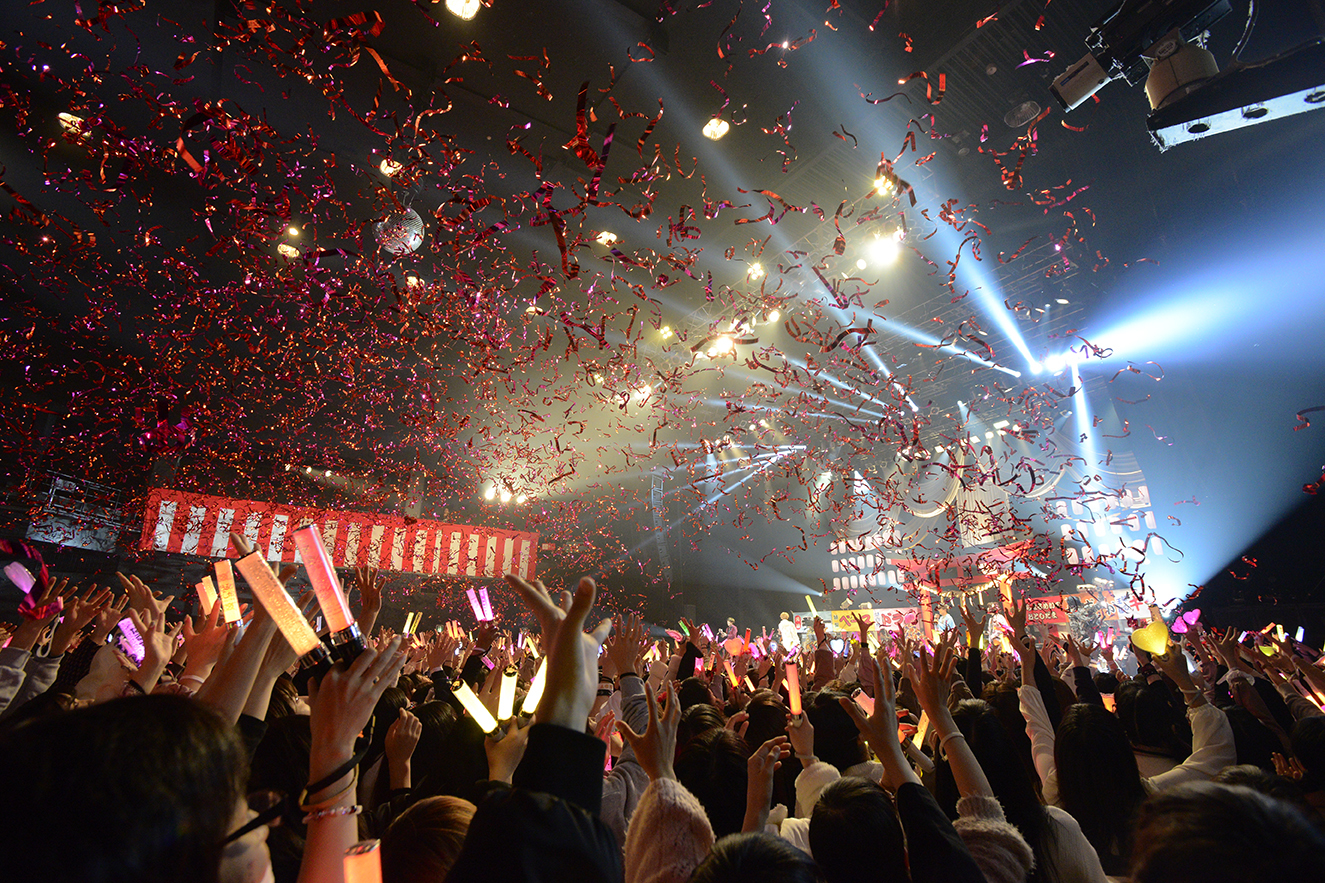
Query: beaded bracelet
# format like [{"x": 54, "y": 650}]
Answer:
[{"x": 318, "y": 815}]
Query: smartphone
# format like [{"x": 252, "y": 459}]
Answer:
[{"x": 130, "y": 642}]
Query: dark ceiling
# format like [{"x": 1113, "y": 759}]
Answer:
[{"x": 142, "y": 272}]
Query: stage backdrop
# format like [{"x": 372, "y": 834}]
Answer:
[{"x": 198, "y": 524}]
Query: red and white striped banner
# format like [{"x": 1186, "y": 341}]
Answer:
[{"x": 198, "y": 524}]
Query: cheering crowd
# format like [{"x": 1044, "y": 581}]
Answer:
[{"x": 601, "y": 750}]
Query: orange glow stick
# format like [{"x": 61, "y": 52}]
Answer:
[
  {"x": 276, "y": 601},
  {"x": 794, "y": 687},
  {"x": 225, "y": 585}
]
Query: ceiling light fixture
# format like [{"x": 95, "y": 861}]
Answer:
[
  {"x": 756, "y": 271},
  {"x": 715, "y": 128},
  {"x": 463, "y": 9}
]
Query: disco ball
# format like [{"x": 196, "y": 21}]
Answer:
[{"x": 400, "y": 232}]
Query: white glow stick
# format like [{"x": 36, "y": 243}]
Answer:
[
  {"x": 486, "y": 722},
  {"x": 535, "y": 689},
  {"x": 225, "y": 588},
  {"x": 506, "y": 698},
  {"x": 322, "y": 574},
  {"x": 276, "y": 601}
]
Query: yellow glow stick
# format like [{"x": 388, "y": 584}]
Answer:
[
  {"x": 535, "y": 689},
  {"x": 206, "y": 595},
  {"x": 276, "y": 601},
  {"x": 486, "y": 722},
  {"x": 810, "y": 601},
  {"x": 225, "y": 585},
  {"x": 506, "y": 698}
]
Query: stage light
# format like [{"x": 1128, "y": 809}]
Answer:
[
  {"x": 643, "y": 392},
  {"x": 308, "y": 470},
  {"x": 520, "y": 500},
  {"x": 721, "y": 345},
  {"x": 882, "y": 185},
  {"x": 463, "y": 9},
  {"x": 1036, "y": 367},
  {"x": 715, "y": 128},
  {"x": 287, "y": 250},
  {"x": 606, "y": 238},
  {"x": 70, "y": 123},
  {"x": 1061, "y": 300},
  {"x": 490, "y": 493},
  {"x": 861, "y": 264},
  {"x": 293, "y": 230},
  {"x": 666, "y": 332},
  {"x": 413, "y": 281},
  {"x": 389, "y": 167},
  {"x": 1055, "y": 363},
  {"x": 884, "y": 249},
  {"x": 756, "y": 271},
  {"x": 505, "y": 496}
]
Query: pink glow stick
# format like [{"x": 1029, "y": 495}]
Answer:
[
  {"x": 322, "y": 574},
  {"x": 475, "y": 605},
  {"x": 486, "y": 603}
]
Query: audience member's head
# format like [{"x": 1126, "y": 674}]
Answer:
[
  {"x": 422, "y": 843},
  {"x": 743, "y": 858},
  {"x": 714, "y": 767},
  {"x": 1203, "y": 832},
  {"x": 853, "y": 811},
  {"x": 141, "y": 790},
  {"x": 836, "y": 739}
]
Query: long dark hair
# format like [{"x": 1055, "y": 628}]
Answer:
[
  {"x": 1098, "y": 780},
  {"x": 984, "y": 733},
  {"x": 140, "y": 790}
]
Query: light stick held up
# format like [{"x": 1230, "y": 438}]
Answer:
[{"x": 346, "y": 640}]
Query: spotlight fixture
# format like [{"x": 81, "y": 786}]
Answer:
[
  {"x": 882, "y": 185},
  {"x": 520, "y": 500},
  {"x": 774, "y": 315},
  {"x": 490, "y": 493},
  {"x": 505, "y": 496},
  {"x": 70, "y": 123},
  {"x": 666, "y": 332},
  {"x": 756, "y": 271},
  {"x": 861, "y": 264},
  {"x": 715, "y": 128},
  {"x": 287, "y": 250},
  {"x": 293, "y": 230},
  {"x": 1190, "y": 98},
  {"x": 606, "y": 239},
  {"x": 389, "y": 167},
  {"x": 885, "y": 249},
  {"x": 463, "y": 9},
  {"x": 1061, "y": 300},
  {"x": 722, "y": 344},
  {"x": 643, "y": 392}
]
